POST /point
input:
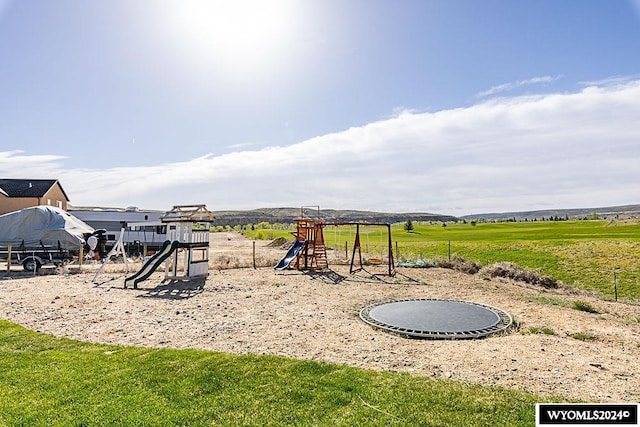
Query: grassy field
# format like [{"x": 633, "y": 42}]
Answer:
[
  {"x": 582, "y": 254},
  {"x": 46, "y": 381}
]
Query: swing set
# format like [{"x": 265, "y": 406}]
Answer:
[
  {"x": 309, "y": 251},
  {"x": 358, "y": 247}
]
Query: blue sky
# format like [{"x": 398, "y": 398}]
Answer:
[{"x": 453, "y": 107}]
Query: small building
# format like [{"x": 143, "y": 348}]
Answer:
[
  {"x": 142, "y": 227},
  {"x": 17, "y": 194}
]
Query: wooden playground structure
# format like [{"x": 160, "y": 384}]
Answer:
[
  {"x": 193, "y": 242},
  {"x": 309, "y": 251},
  {"x": 187, "y": 245}
]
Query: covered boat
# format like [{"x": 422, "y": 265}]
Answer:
[{"x": 43, "y": 225}]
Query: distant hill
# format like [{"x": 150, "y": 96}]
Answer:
[
  {"x": 287, "y": 215},
  {"x": 627, "y": 211}
]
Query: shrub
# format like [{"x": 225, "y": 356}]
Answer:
[
  {"x": 417, "y": 263},
  {"x": 512, "y": 271},
  {"x": 459, "y": 264}
]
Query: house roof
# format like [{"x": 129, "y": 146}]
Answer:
[{"x": 28, "y": 187}]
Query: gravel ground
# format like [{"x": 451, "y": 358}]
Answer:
[{"x": 315, "y": 317}]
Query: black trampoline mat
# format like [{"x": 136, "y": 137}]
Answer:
[{"x": 434, "y": 316}]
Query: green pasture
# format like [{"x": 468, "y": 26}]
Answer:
[
  {"x": 47, "y": 381},
  {"x": 582, "y": 254}
]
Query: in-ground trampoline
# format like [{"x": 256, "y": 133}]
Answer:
[{"x": 436, "y": 319}]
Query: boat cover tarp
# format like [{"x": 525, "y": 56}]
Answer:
[{"x": 47, "y": 224}]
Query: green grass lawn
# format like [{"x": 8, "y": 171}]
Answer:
[
  {"x": 582, "y": 254},
  {"x": 46, "y": 381}
]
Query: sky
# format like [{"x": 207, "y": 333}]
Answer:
[{"x": 445, "y": 106}]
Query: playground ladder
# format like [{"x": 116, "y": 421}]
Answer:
[
  {"x": 319, "y": 257},
  {"x": 319, "y": 251}
]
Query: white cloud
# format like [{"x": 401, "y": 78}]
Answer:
[
  {"x": 241, "y": 146},
  {"x": 609, "y": 81},
  {"x": 15, "y": 164},
  {"x": 514, "y": 85},
  {"x": 559, "y": 150}
]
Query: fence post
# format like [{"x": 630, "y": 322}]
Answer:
[
  {"x": 254, "y": 254},
  {"x": 80, "y": 256},
  {"x": 8, "y": 258},
  {"x": 449, "y": 250},
  {"x": 397, "y": 251}
]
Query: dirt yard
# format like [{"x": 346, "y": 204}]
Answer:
[{"x": 315, "y": 317}]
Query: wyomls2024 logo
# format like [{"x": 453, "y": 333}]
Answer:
[{"x": 560, "y": 414}]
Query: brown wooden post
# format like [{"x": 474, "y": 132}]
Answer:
[
  {"x": 81, "y": 255},
  {"x": 8, "y": 258},
  {"x": 254, "y": 254},
  {"x": 356, "y": 245},
  {"x": 392, "y": 264}
]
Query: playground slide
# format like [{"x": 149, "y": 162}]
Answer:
[
  {"x": 152, "y": 263},
  {"x": 290, "y": 256}
]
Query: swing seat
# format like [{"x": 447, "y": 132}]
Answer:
[{"x": 375, "y": 261}]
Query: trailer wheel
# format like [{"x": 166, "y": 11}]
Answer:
[{"x": 31, "y": 265}]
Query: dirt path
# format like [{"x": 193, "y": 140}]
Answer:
[{"x": 316, "y": 317}]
